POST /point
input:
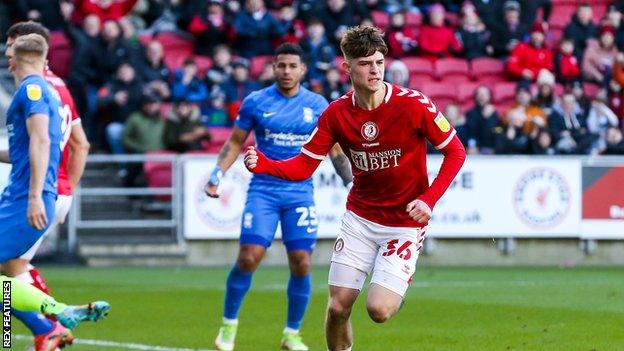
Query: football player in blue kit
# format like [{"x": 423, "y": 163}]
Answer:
[{"x": 283, "y": 116}]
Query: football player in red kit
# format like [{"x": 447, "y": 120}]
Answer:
[{"x": 383, "y": 129}]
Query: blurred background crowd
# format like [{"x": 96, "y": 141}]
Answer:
[{"x": 513, "y": 76}]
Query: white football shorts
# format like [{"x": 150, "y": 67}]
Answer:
[
  {"x": 61, "y": 209},
  {"x": 390, "y": 253}
]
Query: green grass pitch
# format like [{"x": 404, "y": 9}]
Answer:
[{"x": 446, "y": 309}]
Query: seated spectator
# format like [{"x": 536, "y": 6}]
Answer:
[
  {"x": 456, "y": 118},
  {"x": 318, "y": 50},
  {"x": 153, "y": 71},
  {"x": 615, "y": 142},
  {"x": 545, "y": 97},
  {"x": 209, "y": 27},
  {"x": 508, "y": 33},
  {"x": 184, "y": 130},
  {"x": 482, "y": 120},
  {"x": 106, "y": 10},
  {"x": 267, "y": 76},
  {"x": 541, "y": 142},
  {"x": 293, "y": 27},
  {"x": 238, "y": 87},
  {"x": 255, "y": 28},
  {"x": 392, "y": 6},
  {"x": 221, "y": 69},
  {"x": 402, "y": 41},
  {"x": 435, "y": 39},
  {"x": 600, "y": 56},
  {"x": 581, "y": 29},
  {"x": 512, "y": 139},
  {"x": 566, "y": 64},
  {"x": 599, "y": 119},
  {"x": 473, "y": 34},
  {"x": 337, "y": 16},
  {"x": 397, "y": 73},
  {"x": 83, "y": 79},
  {"x": 333, "y": 87},
  {"x": 118, "y": 99},
  {"x": 533, "y": 116},
  {"x": 528, "y": 59},
  {"x": 215, "y": 115},
  {"x": 114, "y": 50},
  {"x": 614, "y": 18},
  {"x": 569, "y": 128},
  {"x": 142, "y": 133},
  {"x": 187, "y": 86},
  {"x": 528, "y": 11}
]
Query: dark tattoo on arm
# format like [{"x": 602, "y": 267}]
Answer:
[
  {"x": 225, "y": 150},
  {"x": 343, "y": 167}
]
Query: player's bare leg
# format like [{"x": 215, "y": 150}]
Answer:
[
  {"x": 337, "y": 325},
  {"x": 382, "y": 303},
  {"x": 249, "y": 257}
]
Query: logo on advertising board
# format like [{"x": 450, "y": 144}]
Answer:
[
  {"x": 542, "y": 198},
  {"x": 223, "y": 213}
]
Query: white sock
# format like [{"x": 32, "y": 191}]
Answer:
[
  {"x": 291, "y": 330},
  {"x": 230, "y": 321},
  {"x": 25, "y": 277},
  {"x": 347, "y": 349}
]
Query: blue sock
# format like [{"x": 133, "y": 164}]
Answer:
[
  {"x": 36, "y": 322},
  {"x": 299, "y": 288},
  {"x": 238, "y": 283}
]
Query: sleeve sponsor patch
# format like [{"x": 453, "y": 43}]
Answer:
[
  {"x": 442, "y": 122},
  {"x": 33, "y": 91}
]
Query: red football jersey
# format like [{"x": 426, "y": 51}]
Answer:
[
  {"x": 387, "y": 149},
  {"x": 70, "y": 117}
]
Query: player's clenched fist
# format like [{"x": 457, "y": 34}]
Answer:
[
  {"x": 419, "y": 211},
  {"x": 251, "y": 158}
]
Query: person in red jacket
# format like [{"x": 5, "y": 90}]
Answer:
[
  {"x": 529, "y": 58},
  {"x": 104, "y": 9},
  {"x": 567, "y": 65},
  {"x": 436, "y": 39}
]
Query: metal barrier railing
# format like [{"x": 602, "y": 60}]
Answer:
[{"x": 77, "y": 222}]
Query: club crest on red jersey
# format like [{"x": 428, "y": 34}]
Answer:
[{"x": 370, "y": 131}]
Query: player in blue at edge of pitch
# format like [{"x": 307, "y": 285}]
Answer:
[
  {"x": 283, "y": 116},
  {"x": 28, "y": 201}
]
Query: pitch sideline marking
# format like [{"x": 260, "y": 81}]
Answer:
[{"x": 106, "y": 343}]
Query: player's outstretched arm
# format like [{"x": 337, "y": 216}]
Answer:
[
  {"x": 341, "y": 164},
  {"x": 228, "y": 154},
  {"x": 295, "y": 168},
  {"x": 79, "y": 150},
  {"x": 454, "y": 157},
  {"x": 39, "y": 154}
]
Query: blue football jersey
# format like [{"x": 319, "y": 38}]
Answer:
[
  {"x": 281, "y": 125},
  {"x": 33, "y": 96}
]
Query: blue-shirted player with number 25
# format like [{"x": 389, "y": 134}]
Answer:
[{"x": 282, "y": 116}]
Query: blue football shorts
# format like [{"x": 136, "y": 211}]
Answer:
[
  {"x": 16, "y": 235},
  {"x": 295, "y": 212}
]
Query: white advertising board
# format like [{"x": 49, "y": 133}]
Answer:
[{"x": 491, "y": 197}]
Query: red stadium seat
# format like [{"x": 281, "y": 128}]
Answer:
[
  {"x": 203, "y": 64},
  {"x": 452, "y": 70},
  {"x": 441, "y": 93},
  {"x": 504, "y": 92},
  {"x": 418, "y": 81},
  {"x": 419, "y": 65},
  {"x": 174, "y": 41},
  {"x": 174, "y": 59},
  {"x": 381, "y": 19},
  {"x": 590, "y": 90},
  {"x": 561, "y": 15},
  {"x": 554, "y": 38},
  {"x": 483, "y": 68},
  {"x": 257, "y": 65},
  {"x": 465, "y": 91},
  {"x": 158, "y": 174}
]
